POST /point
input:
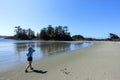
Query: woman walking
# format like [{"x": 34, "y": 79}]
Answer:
[{"x": 29, "y": 59}]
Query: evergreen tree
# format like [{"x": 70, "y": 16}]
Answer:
[
  {"x": 30, "y": 34},
  {"x": 78, "y": 37},
  {"x": 43, "y": 34},
  {"x": 50, "y": 32},
  {"x": 113, "y": 36},
  {"x": 23, "y": 34},
  {"x": 57, "y": 33}
]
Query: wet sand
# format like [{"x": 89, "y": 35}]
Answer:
[{"x": 98, "y": 62}]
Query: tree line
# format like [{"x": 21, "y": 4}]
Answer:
[
  {"x": 24, "y": 34},
  {"x": 60, "y": 33},
  {"x": 57, "y": 33},
  {"x": 113, "y": 37},
  {"x": 50, "y": 33}
]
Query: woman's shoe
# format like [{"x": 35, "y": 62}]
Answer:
[
  {"x": 26, "y": 71},
  {"x": 32, "y": 68}
]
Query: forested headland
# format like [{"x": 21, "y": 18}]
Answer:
[
  {"x": 58, "y": 33},
  {"x": 49, "y": 33}
]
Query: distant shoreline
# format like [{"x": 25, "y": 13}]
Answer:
[{"x": 86, "y": 39}]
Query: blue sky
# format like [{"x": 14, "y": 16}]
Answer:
[{"x": 90, "y": 18}]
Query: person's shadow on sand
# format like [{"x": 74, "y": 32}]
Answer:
[{"x": 40, "y": 71}]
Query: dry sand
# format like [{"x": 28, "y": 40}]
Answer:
[{"x": 98, "y": 62}]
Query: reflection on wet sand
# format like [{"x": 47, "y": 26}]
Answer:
[
  {"x": 14, "y": 52},
  {"x": 47, "y": 48},
  {"x": 23, "y": 46},
  {"x": 53, "y": 47}
]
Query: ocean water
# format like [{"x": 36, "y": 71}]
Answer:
[{"x": 13, "y": 52}]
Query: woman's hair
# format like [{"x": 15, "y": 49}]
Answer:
[{"x": 29, "y": 48}]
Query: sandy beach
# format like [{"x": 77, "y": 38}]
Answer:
[{"x": 98, "y": 62}]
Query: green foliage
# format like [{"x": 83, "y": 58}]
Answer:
[
  {"x": 113, "y": 36},
  {"x": 23, "y": 34},
  {"x": 43, "y": 34},
  {"x": 78, "y": 37},
  {"x": 54, "y": 33},
  {"x": 57, "y": 33}
]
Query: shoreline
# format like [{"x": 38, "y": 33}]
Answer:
[
  {"x": 13, "y": 65},
  {"x": 97, "y": 62},
  {"x": 9, "y": 62}
]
